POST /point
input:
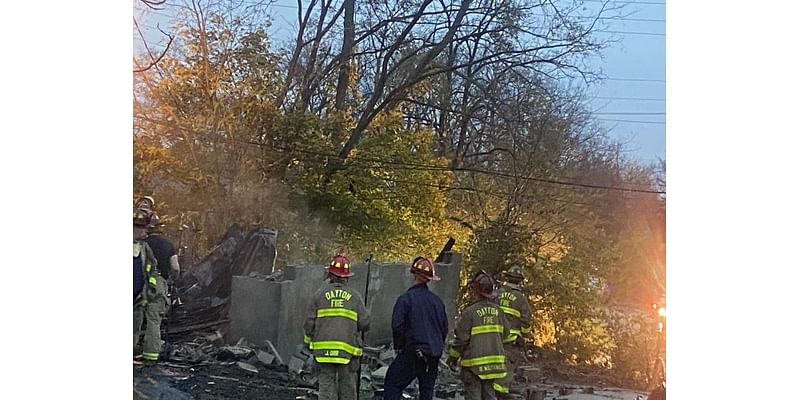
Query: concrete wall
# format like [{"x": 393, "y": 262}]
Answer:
[{"x": 276, "y": 310}]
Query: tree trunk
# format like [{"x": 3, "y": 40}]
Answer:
[{"x": 347, "y": 54}]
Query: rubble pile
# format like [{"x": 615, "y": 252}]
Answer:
[
  {"x": 204, "y": 290},
  {"x": 205, "y": 368},
  {"x": 375, "y": 364}
]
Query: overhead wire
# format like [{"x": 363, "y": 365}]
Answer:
[{"x": 431, "y": 167}]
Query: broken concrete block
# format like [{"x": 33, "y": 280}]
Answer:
[
  {"x": 265, "y": 358},
  {"x": 274, "y": 352},
  {"x": 296, "y": 364},
  {"x": 387, "y": 356},
  {"x": 234, "y": 352},
  {"x": 380, "y": 373},
  {"x": 247, "y": 367}
]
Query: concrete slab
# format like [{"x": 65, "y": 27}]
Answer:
[{"x": 265, "y": 358}]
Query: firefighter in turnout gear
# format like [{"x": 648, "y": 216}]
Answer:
[
  {"x": 149, "y": 292},
  {"x": 517, "y": 311},
  {"x": 478, "y": 341},
  {"x": 336, "y": 317}
]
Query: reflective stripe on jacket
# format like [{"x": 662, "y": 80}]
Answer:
[
  {"x": 479, "y": 340},
  {"x": 336, "y": 317},
  {"x": 517, "y": 311},
  {"x": 150, "y": 271}
]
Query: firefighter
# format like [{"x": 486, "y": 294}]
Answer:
[
  {"x": 336, "y": 318},
  {"x": 478, "y": 341},
  {"x": 164, "y": 250},
  {"x": 419, "y": 328},
  {"x": 147, "y": 205},
  {"x": 149, "y": 292},
  {"x": 517, "y": 312}
]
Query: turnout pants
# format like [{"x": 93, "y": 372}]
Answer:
[
  {"x": 404, "y": 369},
  {"x": 475, "y": 388},
  {"x": 513, "y": 355},
  {"x": 338, "y": 381},
  {"x": 150, "y": 313}
]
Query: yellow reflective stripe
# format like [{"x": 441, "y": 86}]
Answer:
[
  {"x": 498, "y": 387},
  {"x": 150, "y": 356},
  {"x": 526, "y": 330},
  {"x": 454, "y": 353},
  {"x": 512, "y": 311},
  {"x": 306, "y": 339},
  {"x": 152, "y": 280},
  {"x": 486, "y": 329},
  {"x": 510, "y": 338},
  {"x": 336, "y": 345},
  {"x": 337, "y": 312},
  {"x": 333, "y": 360},
  {"x": 471, "y": 362}
]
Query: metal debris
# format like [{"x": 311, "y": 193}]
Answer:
[{"x": 274, "y": 352}]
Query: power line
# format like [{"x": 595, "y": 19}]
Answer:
[
  {"x": 628, "y": 113},
  {"x": 541, "y": 15},
  {"x": 615, "y": 18},
  {"x": 632, "y": 33},
  {"x": 637, "y": 80},
  {"x": 632, "y": 122},
  {"x": 430, "y": 167},
  {"x": 646, "y": 3},
  {"x": 609, "y": 79},
  {"x": 627, "y": 98},
  {"x": 608, "y": 18}
]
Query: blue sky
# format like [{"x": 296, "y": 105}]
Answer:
[{"x": 630, "y": 103}]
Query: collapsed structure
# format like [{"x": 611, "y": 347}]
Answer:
[
  {"x": 274, "y": 310},
  {"x": 235, "y": 290}
]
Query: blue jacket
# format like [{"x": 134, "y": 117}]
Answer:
[{"x": 419, "y": 320}]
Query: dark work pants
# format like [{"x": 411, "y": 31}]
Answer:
[{"x": 404, "y": 369}]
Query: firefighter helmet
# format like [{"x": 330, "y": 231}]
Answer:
[
  {"x": 340, "y": 266},
  {"x": 423, "y": 267},
  {"x": 483, "y": 285},
  {"x": 140, "y": 219},
  {"x": 153, "y": 221},
  {"x": 146, "y": 204},
  {"x": 514, "y": 274}
]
